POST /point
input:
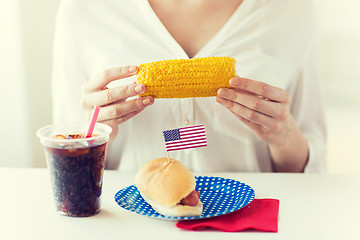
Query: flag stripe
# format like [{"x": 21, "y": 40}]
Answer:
[
  {"x": 197, "y": 138},
  {"x": 192, "y": 137},
  {"x": 192, "y": 133},
  {"x": 188, "y": 141},
  {"x": 187, "y": 144},
  {"x": 169, "y": 150},
  {"x": 192, "y": 130}
]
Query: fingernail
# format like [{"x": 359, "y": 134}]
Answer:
[
  {"x": 138, "y": 88},
  {"x": 232, "y": 81},
  {"x": 146, "y": 101},
  {"x": 221, "y": 92},
  {"x": 132, "y": 69}
]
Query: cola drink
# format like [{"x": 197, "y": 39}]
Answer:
[{"x": 76, "y": 167}]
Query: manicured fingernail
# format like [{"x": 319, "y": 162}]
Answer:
[
  {"x": 232, "y": 81},
  {"x": 221, "y": 92},
  {"x": 146, "y": 101},
  {"x": 132, "y": 69},
  {"x": 138, "y": 88}
]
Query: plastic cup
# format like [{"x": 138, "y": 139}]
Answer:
[{"x": 76, "y": 166}]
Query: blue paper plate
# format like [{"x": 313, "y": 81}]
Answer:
[{"x": 218, "y": 195}]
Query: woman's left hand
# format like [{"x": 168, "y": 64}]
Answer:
[{"x": 263, "y": 108}]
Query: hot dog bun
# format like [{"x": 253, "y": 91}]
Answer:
[{"x": 163, "y": 183}]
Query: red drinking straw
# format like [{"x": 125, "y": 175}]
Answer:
[{"x": 94, "y": 116}]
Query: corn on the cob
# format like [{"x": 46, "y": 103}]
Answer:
[{"x": 183, "y": 78}]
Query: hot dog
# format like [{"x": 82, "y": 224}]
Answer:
[
  {"x": 169, "y": 187},
  {"x": 192, "y": 199}
]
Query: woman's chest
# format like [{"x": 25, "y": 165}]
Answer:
[{"x": 193, "y": 25}]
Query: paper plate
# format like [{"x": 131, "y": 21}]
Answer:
[{"x": 218, "y": 195}]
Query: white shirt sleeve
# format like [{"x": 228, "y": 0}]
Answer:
[
  {"x": 68, "y": 73},
  {"x": 307, "y": 106}
]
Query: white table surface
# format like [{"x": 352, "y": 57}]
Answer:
[{"x": 312, "y": 206}]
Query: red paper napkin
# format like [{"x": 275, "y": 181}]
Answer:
[{"x": 259, "y": 215}]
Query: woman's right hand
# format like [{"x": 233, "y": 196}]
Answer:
[{"x": 115, "y": 109}]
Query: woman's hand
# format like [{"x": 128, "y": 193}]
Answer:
[
  {"x": 115, "y": 109},
  {"x": 265, "y": 109}
]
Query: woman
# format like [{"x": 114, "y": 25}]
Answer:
[{"x": 271, "y": 121}]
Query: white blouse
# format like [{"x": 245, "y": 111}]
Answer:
[{"x": 274, "y": 41}]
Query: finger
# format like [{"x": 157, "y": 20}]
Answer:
[
  {"x": 253, "y": 126},
  {"x": 115, "y": 111},
  {"x": 260, "y": 88},
  {"x": 246, "y": 113},
  {"x": 112, "y": 95},
  {"x": 122, "y": 119},
  {"x": 103, "y": 79},
  {"x": 251, "y": 101},
  {"x": 256, "y": 128}
]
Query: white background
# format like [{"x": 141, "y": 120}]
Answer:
[{"x": 26, "y": 34}]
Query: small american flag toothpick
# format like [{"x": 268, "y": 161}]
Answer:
[{"x": 185, "y": 138}]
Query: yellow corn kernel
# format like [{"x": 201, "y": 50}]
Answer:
[{"x": 184, "y": 78}]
